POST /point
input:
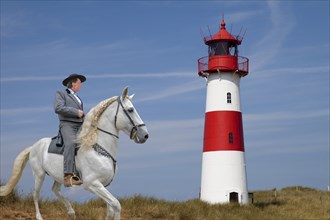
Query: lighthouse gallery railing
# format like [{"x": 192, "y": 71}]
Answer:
[{"x": 242, "y": 65}]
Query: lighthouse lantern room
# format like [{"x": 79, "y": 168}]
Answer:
[{"x": 223, "y": 164}]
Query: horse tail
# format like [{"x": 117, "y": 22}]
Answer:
[{"x": 18, "y": 168}]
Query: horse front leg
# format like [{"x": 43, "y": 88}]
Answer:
[
  {"x": 113, "y": 205},
  {"x": 57, "y": 190}
]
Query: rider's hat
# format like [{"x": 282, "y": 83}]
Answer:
[{"x": 73, "y": 76}]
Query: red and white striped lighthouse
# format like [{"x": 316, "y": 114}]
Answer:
[{"x": 223, "y": 167}]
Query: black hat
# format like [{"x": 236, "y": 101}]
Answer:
[{"x": 73, "y": 76}]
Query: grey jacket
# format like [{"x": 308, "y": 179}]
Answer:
[{"x": 66, "y": 106}]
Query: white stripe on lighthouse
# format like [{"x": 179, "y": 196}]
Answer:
[
  {"x": 217, "y": 88},
  {"x": 223, "y": 172}
]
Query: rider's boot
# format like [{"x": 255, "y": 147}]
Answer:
[{"x": 71, "y": 180}]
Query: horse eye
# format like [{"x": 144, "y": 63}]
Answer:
[{"x": 130, "y": 110}]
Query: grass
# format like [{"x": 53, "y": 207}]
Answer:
[{"x": 288, "y": 203}]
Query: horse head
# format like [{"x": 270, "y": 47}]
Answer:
[{"x": 128, "y": 119}]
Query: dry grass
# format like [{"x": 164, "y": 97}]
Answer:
[{"x": 288, "y": 203}]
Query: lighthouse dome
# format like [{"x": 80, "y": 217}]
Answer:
[{"x": 222, "y": 35}]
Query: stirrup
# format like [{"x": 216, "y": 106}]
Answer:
[
  {"x": 76, "y": 178},
  {"x": 73, "y": 178}
]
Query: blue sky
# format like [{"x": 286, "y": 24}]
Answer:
[{"x": 153, "y": 48}]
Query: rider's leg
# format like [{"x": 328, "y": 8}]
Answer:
[{"x": 69, "y": 132}]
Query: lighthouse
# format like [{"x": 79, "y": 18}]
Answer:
[{"x": 223, "y": 176}]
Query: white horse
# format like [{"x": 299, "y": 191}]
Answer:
[{"x": 95, "y": 160}]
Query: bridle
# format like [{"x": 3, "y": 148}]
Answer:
[{"x": 134, "y": 128}]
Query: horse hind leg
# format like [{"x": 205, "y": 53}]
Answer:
[
  {"x": 57, "y": 190},
  {"x": 39, "y": 179}
]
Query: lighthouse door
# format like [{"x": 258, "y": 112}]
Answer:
[{"x": 233, "y": 197}]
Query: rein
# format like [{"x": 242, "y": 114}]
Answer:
[{"x": 104, "y": 131}]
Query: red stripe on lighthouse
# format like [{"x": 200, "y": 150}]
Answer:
[{"x": 223, "y": 130}]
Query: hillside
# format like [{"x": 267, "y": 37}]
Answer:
[{"x": 288, "y": 203}]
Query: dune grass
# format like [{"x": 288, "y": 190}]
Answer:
[{"x": 288, "y": 203}]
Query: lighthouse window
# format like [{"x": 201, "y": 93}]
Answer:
[
  {"x": 231, "y": 138},
  {"x": 218, "y": 48},
  {"x": 232, "y": 49},
  {"x": 212, "y": 49},
  {"x": 223, "y": 49},
  {"x": 228, "y": 97}
]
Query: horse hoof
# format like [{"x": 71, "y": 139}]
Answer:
[{"x": 72, "y": 216}]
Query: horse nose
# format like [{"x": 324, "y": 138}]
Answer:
[{"x": 146, "y": 136}]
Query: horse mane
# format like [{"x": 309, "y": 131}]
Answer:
[{"x": 87, "y": 136}]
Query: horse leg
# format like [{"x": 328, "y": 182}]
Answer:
[
  {"x": 39, "y": 179},
  {"x": 57, "y": 190},
  {"x": 110, "y": 212},
  {"x": 113, "y": 205}
]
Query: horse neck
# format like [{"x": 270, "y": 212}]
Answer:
[{"x": 107, "y": 123}]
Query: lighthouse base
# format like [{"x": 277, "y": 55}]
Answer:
[{"x": 224, "y": 177}]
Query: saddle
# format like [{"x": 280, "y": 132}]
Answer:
[{"x": 56, "y": 145}]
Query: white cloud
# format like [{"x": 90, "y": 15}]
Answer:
[
  {"x": 266, "y": 73},
  {"x": 31, "y": 78},
  {"x": 141, "y": 75},
  {"x": 286, "y": 116},
  {"x": 98, "y": 76},
  {"x": 240, "y": 16},
  {"x": 24, "y": 111},
  {"x": 12, "y": 24},
  {"x": 174, "y": 91},
  {"x": 272, "y": 43}
]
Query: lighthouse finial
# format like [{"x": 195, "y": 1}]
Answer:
[{"x": 223, "y": 24}]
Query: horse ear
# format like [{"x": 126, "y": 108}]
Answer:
[
  {"x": 124, "y": 93},
  {"x": 131, "y": 96}
]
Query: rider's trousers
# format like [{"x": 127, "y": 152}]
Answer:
[{"x": 69, "y": 132}]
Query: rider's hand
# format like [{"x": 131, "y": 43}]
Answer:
[{"x": 80, "y": 113}]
